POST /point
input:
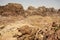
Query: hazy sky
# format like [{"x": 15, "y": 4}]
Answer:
[{"x": 36, "y": 3}]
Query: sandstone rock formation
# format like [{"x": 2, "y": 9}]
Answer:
[
  {"x": 11, "y": 9},
  {"x": 17, "y": 9}
]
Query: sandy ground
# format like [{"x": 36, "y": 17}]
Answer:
[{"x": 33, "y": 21}]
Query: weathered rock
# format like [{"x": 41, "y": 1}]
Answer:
[
  {"x": 25, "y": 30},
  {"x": 12, "y": 9},
  {"x": 30, "y": 11},
  {"x": 42, "y": 9},
  {"x": 31, "y": 8}
]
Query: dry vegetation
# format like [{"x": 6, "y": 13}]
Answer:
[{"x": 32, "y": 24}]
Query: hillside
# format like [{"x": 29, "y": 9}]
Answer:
[{"x": 40, "y": 23}]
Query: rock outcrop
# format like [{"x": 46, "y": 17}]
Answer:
[
  {"x": 11, "y": 9},
  {"x": 17, "y": 9},
  {"x": 42, "y": 11}
]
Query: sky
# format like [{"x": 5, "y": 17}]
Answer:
[{"x": 35, "y": 3}]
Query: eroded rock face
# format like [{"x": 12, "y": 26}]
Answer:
[
  {"x": 30, "y": 11},
  {"x": 18, "y": 9},
  {"x": 10, "y": 8},
  {"x": 42, "y": 11}
]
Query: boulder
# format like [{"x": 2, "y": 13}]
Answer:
[{"x": 42, "y": 9}]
